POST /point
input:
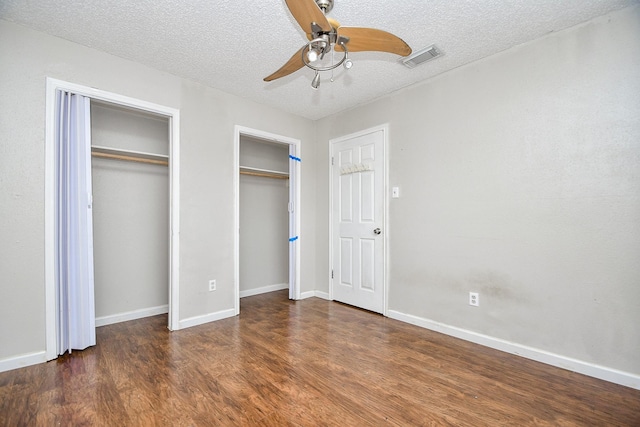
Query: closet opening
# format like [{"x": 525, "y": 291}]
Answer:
[
  {"x": 130, "y": 176},
  {"x": 267, "y": 214},
  {"x": 130, "y": 139}
]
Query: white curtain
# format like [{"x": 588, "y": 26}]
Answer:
[{"x": 74, "y": 255}]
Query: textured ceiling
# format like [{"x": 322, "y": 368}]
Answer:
[{"x": 232, "y": 45}]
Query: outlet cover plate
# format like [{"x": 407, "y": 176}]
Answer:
[{"x": 474, "y": 299}]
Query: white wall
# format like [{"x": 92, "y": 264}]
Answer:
[
  {"x": 130, "y": 213},
  {"x": 520, "y": 180},
  {"x": 207, "y": 125},
  {"x": 264, "y": 216}
]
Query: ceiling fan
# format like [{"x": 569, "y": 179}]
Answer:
[{"x": 325, "y": 34}]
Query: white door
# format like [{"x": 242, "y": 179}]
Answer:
[{"x": 358, "y": 179}]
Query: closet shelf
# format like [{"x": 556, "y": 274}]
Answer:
[
  {"x": 129, "y": 155},
  {"x": 246, "y": 170}
]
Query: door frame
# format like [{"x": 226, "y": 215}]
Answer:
[
  {"x": 385, "y": 208},
  {"x": 174, "y": 195},
  {"x": 294, "y": 171}
]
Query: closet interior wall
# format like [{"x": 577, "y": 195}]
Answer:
[
  {"x": 130, "y": 214},
  {"x": 263, "y": 215}
]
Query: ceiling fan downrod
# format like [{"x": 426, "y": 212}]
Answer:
[{"x": 325, "y": 5}]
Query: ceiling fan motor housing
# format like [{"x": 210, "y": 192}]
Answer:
[{"x": 325, "y": 5}]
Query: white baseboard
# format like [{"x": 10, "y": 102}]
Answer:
[
  {"x": 601, "y": 372},
  {"x": 322, "y": 295},
  {"x": 264, "y": 290},
  {"x": 22, "y": 361},
  {"x": 131, "y": 315},
  {"x": 206, "y": 318},
  {"x": 317, "y": 294}
]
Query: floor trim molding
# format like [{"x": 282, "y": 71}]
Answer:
[
  {"x": 206, "y": 318},
  {"x": 317, "y": 294},
  {"x": 264, "y": 290},
  {"x": 131, "y": 315},
  {"x": 601, "y": 372},
  {"x": 22, "y": 361}
]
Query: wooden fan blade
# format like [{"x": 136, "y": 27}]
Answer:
[
  {"x": 292, "y": 65},
  {"x": 370, "y": 39},
  {"x": 306, "y": 12}
]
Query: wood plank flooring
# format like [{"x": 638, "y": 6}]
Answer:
[{"x": 304, "y": 363}]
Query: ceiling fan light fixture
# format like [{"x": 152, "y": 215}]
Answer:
[
  {"x": 312, "y": 55},
  {"x": 320, "y": 47},
  {"x": 347, "y": 64}
]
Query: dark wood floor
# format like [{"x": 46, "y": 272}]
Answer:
[{"x": 302, "y": 363}]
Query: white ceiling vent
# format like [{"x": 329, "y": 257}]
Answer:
[{"x": 422, "y": 56}]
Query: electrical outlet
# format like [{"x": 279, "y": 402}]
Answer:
[
  {"x": 212, "y": 285},
  {"x": 474, "y": 299}
]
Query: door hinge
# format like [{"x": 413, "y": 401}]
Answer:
[
  {"x": 332, "y": 273},
  {"x": 331, "y": 160}
]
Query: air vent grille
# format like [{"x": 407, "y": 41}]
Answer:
[{"x": 422, "y": 56}]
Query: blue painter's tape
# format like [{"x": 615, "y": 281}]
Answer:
[
  {"x": 293, "y": 239},
  {"x": 297, "y": 159}
]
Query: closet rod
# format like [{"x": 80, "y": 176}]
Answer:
[
  {"x": 263, "y": 174},
  {"x": 129, "y": 158}
]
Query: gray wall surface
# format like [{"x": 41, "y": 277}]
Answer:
[
  {"x": 264, "y": 217},
  {"x": 520, "y": 180},
  {"x": 208, "y": 118},
  {"x": 130, "y": 213}
]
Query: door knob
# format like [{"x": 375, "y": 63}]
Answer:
[{"x": 377, "y": 231}]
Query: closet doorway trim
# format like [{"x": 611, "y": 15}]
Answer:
[
  {"x": 294, "y": 174},
  {"x": 174, "y": 194}
]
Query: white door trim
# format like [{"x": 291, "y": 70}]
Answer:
[
  {"x": 238, "y": 131},
  {"x": 174, "y": 194},
  {"x": 385, "y": 202}
]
